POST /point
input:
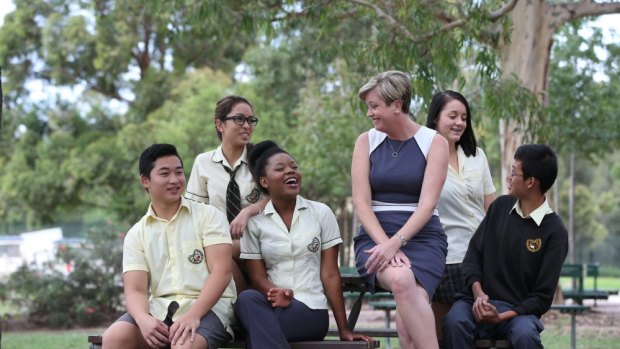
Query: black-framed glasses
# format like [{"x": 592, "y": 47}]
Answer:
[{"x": 241, "y": 119}]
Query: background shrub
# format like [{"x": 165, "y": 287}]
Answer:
[{"x": 87, "y": 296}]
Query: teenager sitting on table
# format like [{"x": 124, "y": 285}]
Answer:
[
  {"x": 291, "y": 253},
  {"x": 513, "y": 262},
  {"x": 176, "y": 266}
]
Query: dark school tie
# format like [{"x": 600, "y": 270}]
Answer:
[{"x": 233, "y": 196}]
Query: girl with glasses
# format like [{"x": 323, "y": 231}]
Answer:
[{"x": 222, "y": 177}]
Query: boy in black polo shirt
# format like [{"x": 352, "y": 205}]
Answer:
[{"x": 513, "y": 261}]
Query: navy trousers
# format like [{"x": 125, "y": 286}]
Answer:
[
  {"x": 269, "y": 327},
  {"x": 460, "y": 330}
]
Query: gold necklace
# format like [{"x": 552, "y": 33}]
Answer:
[{"x": 395, "y": 152}]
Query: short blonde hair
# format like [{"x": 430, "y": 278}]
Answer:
[{"x": 392, "y": 85}]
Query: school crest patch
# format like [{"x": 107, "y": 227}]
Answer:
[
  {"x": 314, "y": 245},
  {"x": 196, "y": 257},
  {"x": 253, "y": 196},
  {"x": 533, "y": 245}
]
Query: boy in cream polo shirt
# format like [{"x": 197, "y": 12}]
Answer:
[{"x": 183, "y": 250}]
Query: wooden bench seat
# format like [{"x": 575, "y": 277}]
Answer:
[
  {"x": 95, "y": 343},
  {"x": 325, "y": 344},
  {"x": 375, "y": 332}
]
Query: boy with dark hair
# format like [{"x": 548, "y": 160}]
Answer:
[
  {"x": 513, "y": 262},
  {"x": 183, "y": 251}
]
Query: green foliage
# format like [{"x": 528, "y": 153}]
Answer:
[
  {"x": 589, "y": 231},
  {"x": 582, "y": 111},
  {"x": 87, "y": 296},
  {"x": 96, "y": 45},
  {"x": 167, "y": 62},
  {"x": 324, "y": 138},
  {"x": 186, "y": 119}
]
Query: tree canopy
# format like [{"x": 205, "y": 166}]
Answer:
[{"x": 117, "y": 75}]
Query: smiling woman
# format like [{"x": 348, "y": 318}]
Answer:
[
  {"x": 291, "y": 252},
  {"x": 397, "y": 171},
  {"x": 466, "y": 194}
]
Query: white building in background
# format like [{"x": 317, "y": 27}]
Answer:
[{"x": 32, "y": 248}]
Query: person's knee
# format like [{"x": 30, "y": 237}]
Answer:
[
  {"x": 120, "y": 335},
  {"x": 247, "y": 301},
  {"x": 525, "y": 336},
  {"x": 250, "y": 296},
  {"x": 454, "y": 321},
  {"x": 449, "y": 321},
  {"x": 199, "y": 343},
  {"x": 400, "y": 281}
]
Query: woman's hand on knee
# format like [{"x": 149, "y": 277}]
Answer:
[
  {"x": 400, "y": 260},
  {"x": 381, "y": 255}
]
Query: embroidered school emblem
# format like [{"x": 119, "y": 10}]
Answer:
[
  {"x": 533, "y": 245},
  {"x": 196, "y": 257},
  {"x": 314, "y": 245},
  {"x": 253, "y": 196}
]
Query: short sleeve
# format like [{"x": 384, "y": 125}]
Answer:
[
  {"x": 250, "y": 242},
  {"x": 330, "y": 233},
  {"x": 215, "y": 227},
  {"x": 487, "y": 180},
  {"x": 197, "y": 184},
  {"x": 134, "y": 257}
]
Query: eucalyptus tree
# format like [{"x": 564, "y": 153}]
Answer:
[
  {"x": 582, "y": 123},
  {"x": 103, "y": 66},
  {"x": 508, "y": 43},
  {"x": 111, "y": 47}
]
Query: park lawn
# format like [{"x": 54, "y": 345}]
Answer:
[
  {"x": 48, "y": 339},
  {"x": 602, "y": 283},
  {"x": 554, "y": 337},
  {"x": 557, "y": 336}
]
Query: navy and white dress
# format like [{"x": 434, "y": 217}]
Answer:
[{"x": 396, "y": 183}]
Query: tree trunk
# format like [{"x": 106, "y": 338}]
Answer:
[
  {"x": 525, "y": 57},
  {"x": 571, "y": 208},
  {"x": 528, "y": 54}
]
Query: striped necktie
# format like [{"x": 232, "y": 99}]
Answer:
[{"x": 233, "y": 196}]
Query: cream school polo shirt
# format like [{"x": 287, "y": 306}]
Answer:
[
  {"x": 172, "y": 252},
  {"x": 208, "y": 180},
  {"x": 293, "y": 260},
  {"x": 461, "y": 202}
]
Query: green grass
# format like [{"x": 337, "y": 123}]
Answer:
[
  {"x": 72, "y": 339},
  {"x": 555, "y": 336},
  {"x": 603, "y": 283},
  {"x": 563, "y": 342}
]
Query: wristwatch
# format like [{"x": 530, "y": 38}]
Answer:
[{"x": 403, "y": 241}]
